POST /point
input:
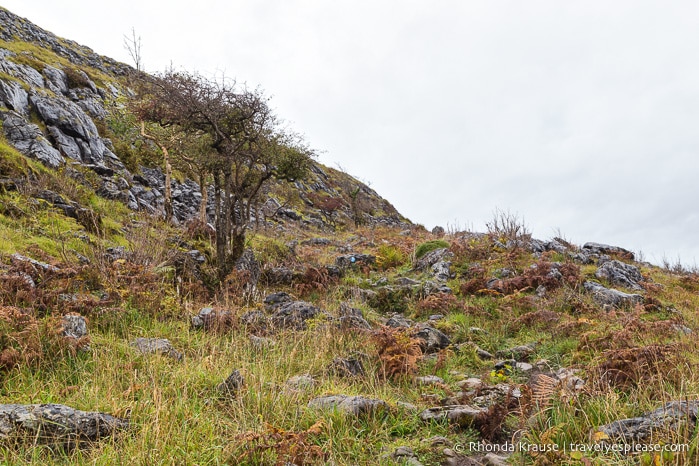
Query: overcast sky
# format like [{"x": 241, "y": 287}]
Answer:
[{"x": 581, "y": 117}]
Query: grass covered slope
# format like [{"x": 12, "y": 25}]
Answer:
[
  {"x": 632, "y": 357},
  {"x": 346, "y": 336}
]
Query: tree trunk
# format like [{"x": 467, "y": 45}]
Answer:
[
  {"x": 204, "y": 198},
  {"x": 168, "y": 172}
]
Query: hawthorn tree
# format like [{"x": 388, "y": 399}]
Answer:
[{"x": 249, "y": 147}]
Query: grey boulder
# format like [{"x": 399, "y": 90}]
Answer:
[
  {"x": 639, "y": 429},
  {"x": 56, "y": 422},
  {"x": 351, "y": 405},
  {"x": 610, "y": 297},
  {"x": 160, "y": 346}
]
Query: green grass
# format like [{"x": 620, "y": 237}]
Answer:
[
  {"x": 176, "y": 412},
  {"x": 429, "y": 246}
]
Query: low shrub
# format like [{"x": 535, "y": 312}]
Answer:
[
  {"x": 390, "y": 256},
  {"x": 429, "y": 246}
]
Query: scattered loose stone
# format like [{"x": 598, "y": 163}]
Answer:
[
  {"x": 347, "y": 367},
  {"x": 210, "y": 319},
  {"x": 232, "y": 385},
  {"x": 157, "y": 345},
  {"x": 569, "y": 379},
  {"x": 483, "y": 354},
  {"x": 42, "y": 265},
  {"x": 352, "y": 405},
  {"x": 352, "y": 318},
  {"x": 491, "y": 459},
  {"x": 461, "y": 415},
  {"x": 405, "y": 281},
  {"x": 610, "y": 297},
  {"x": 639, "y": 429},
  {"x": 432, "y": 340},
  {"x": 316, "y": 242},
  {"x": 506, "y": 366},
  {"x": 598, "y": 248},
  {"x": 524, "y": 367},
  {"x": 255, "y": 320},
  {"x": 278, "y": 276},
  {"x": 398, "y": 321},
  {"x": 406, "y": 406},
  {"x": 440, "y": 271},
  {"x": 275, "y": 300},
  {"x": 58, "y": 423},
  {"x": 349, "y": 260},
  {"x": 74, "y": 326},
  {"x": 249, "y": 267},
  {"x": 383, "y": 281},
  {"x": 519, "y": 353},
  {"x": 437, "y": 441},
  {"x": 430, "y": 287},
  {"x": 471, "y": 383},
  {"x": 429, "y": 380},
  {"x": 406, "y": 456},
  {"x": 300, "y": 382},
  {"x": 294, "y": 315},
  {"x": 621, "y": 274},
  {"x": 260, "y": 343},
  {"x": 432, "y": 257},
  {"x": 494, "y": 394}
]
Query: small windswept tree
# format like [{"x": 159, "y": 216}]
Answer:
[{"x": 249, "y": 147}]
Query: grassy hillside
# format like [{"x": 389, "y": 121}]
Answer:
[
  {"x": 460, "y": 344},
  {"x": 179, "y": 416}
]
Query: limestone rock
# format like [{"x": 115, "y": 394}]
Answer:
[
  {"x": 598, "y": 248},
  {"x": 260, "y": 343},
  {"x": 157, "y": 346},
  {"x": 211, "y": 319},
  {"x": 13, "y": 95},
  {"x": 429, "y": 380},
  {"x": 249, "y": 267},
  {"x": 398, "y": 321},
  {"x": 29, "y": 140},
  {"x": 74, "y": 326},
  {"x": 519, "y": 353},
  {"x": 639, "y": 429},
  {"x": 440, "y": 271},
  {"x": 255, "y": 321},
  {"x": 431, "y": 339},
  {"x": 294, "y": 315},
  {"x": 351, "y": 405},
  {"x": 37, "y": 264},
  {"x": 232, "y": 385},
  {"x": 352, "y": 318},
  {"x": 610, "y": 297},
  {"x": 300, "y": 382},
  {"x": 274, "y": 300},
  {"x": 347, "y": 367},
  {"x": 354, "y": 259},
  {"x": 58, "y": 423},
  {"x": 621, "y": 274},
  {"x": 460, "y": 415},
  {"x": 433, "y": 257}
]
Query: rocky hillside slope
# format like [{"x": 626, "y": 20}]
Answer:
[
  {"x": 61, "y": 104},
  {"x": 332, "y": 342}
]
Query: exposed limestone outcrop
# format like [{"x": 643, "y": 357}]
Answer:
[{"x": 56, "y": 423}]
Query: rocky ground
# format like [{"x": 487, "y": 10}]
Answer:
[{"x": 337, "y": 339}]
